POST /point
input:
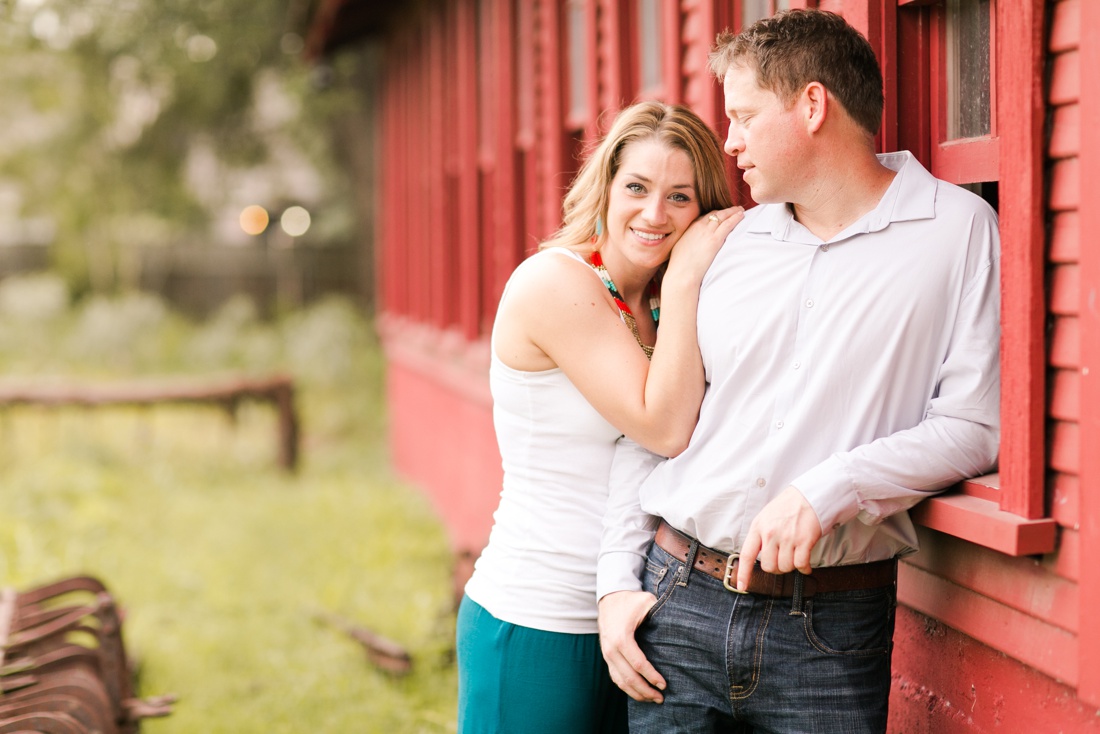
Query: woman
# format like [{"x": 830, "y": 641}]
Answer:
[{"x": 568, "y": 377}]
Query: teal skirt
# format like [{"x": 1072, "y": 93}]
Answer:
[{"x": 520, "y": 680}]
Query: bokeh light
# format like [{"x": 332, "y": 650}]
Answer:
[
  {"x": 201, "y": 48},
  {"x": 254, "y": 219},
  {"x": 295, "y": 221}
]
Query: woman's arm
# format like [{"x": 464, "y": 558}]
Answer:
[{"x": 558, "y": 313}]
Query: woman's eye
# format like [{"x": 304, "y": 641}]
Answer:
[
  {"x": 680, "y": 198},
  {"x": 635, "y": 188}
]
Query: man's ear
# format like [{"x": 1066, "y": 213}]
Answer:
[{"x": 815, "y": 103}]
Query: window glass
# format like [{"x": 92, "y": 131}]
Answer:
[
  {"x": 988, "y": 190},
  {"x": 650, "y": 51},
  {"x": 968, "y": 80},
  {"x": 754, "y": 10},
  {"x": 578, "y": 60}
]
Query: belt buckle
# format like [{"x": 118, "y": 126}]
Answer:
[{"x": 729, "y": 573}]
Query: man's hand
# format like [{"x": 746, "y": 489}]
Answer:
[
  {"x": 781, "y": 537},
  {"x": 620, "y": 614}
]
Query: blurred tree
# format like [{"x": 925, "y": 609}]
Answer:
[{"x": 130, "y": 123}]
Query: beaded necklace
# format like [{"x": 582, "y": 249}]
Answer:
[{"x": 654, "y": 294}]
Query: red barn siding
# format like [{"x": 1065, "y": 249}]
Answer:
[
  {"x": 1089, "y": 422},
  {"x": 1033, "y": 610},
  {"x": 965, "y": 686},
  {"x": 477, "y": 149},
  {"x": 1062, "y": 271}
]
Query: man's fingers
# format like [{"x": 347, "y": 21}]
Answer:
[
  {"x": 802, "y": 558},
  {"x": 631, "y": 671},
  {"x": 639, "y": 662},
  {"x": 749, "y": 551},
  {"x": 620, "y": 614}
]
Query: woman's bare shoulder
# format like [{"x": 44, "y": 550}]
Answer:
[{"x": 553, "y": 273}]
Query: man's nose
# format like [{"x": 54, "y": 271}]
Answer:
[{"x": 735, "y": 142}]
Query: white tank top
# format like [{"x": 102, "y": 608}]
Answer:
[{"x": 539, "y": 568}]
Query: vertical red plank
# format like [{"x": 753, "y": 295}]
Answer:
[
  {"x": 611, "y": 23},
  {"x": 406, "y": 255},
  {"x": 435, "y": 143},
  {"x": 466, "y": 115},
  {"x": 1089, "y": 316},
  {"x": 888, "y": 62},
  {"x": 508, "y": 191},
  {"x": 1020, "y": 114},
  {"x": 697, "y": 38},
  {"x": 402, "y": 255},
  {"x": 528, "y": 50},
  {"x": 383, "y": 220},
  {"x": 631, "y": 51},
  {"x": 551, "y": 115},
  {"x": 671, "y": 50},
  {"x": 912, "y": 84}
]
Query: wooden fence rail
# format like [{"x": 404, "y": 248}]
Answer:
[{"x": 228, "y": 393}]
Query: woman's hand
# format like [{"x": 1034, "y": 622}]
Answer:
[{"x": 696, "y": 248}]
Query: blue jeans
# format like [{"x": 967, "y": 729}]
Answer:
[{"x": 749, "y": 663}]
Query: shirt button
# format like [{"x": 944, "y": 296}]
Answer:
[
  {"x": 824, "y": 248},
  {"x": 809, "y": 303},
  {"x": 796, "y": 365},
  {"x": 779, "y": 424},
  {"x": 760, "y": 482}
]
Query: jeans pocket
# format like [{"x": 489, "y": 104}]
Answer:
[
  {"x": 660, "y": 580},
  {"x": 859, "y": 623}
]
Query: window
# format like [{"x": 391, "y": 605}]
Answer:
[
  {"x": 964, "y": 82},
  {"x": 578, "y": 62},
  {"x": 967, "y": 52},
  {"x": 650, "y": 47},
  {"x": 754, "y": 10},
  {"x": 974, "y": 117}
]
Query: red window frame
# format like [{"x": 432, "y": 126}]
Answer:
[
  {"x": 1003, "y": 511},
  {"x": 961, "y": 160}
]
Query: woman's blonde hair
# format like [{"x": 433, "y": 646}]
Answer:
[{"x": 675, "y": 126}]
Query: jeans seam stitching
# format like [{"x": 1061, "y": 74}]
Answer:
[{"x": 757, "y": 654}]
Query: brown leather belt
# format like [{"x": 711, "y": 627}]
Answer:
[{"x": 723, "y": 567}]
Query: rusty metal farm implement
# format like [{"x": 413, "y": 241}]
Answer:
[{"x": 63, "y": 667}]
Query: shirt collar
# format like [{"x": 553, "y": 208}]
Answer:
[{"x": 910, "y": 196}]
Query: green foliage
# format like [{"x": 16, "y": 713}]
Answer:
[
  {"x": 221, "y": 560},
  {"x": 106, "y": 105}
]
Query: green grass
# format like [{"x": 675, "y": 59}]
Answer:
[{"x": 220, "y": 559}]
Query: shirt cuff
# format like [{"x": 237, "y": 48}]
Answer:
[
  {"x": 618, "y": 571},
  {"x": 830, "y": 492}
]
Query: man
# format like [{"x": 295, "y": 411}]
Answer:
[{"x": 850, "y": 330}]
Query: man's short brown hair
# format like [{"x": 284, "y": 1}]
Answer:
[{"x": 797, "y": 47}]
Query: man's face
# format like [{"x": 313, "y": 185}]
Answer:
[{"x": 764, "y": 136}]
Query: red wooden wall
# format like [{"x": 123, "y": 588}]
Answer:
[{"x": 484, "y": 115}]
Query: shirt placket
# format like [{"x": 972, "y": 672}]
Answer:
[{"x": 796, "y": 367}]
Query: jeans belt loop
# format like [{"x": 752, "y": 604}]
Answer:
[
  {"x": 689, "y": 562},
  {"x": 796, "y": 597}
]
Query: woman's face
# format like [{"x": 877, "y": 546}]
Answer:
[{"x": 651, "y": 202}]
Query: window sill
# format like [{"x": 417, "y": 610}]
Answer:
[{"x": 972, "y": 513}]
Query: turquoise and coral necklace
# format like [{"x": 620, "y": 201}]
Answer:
[{"x": 654, "y": 294}]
